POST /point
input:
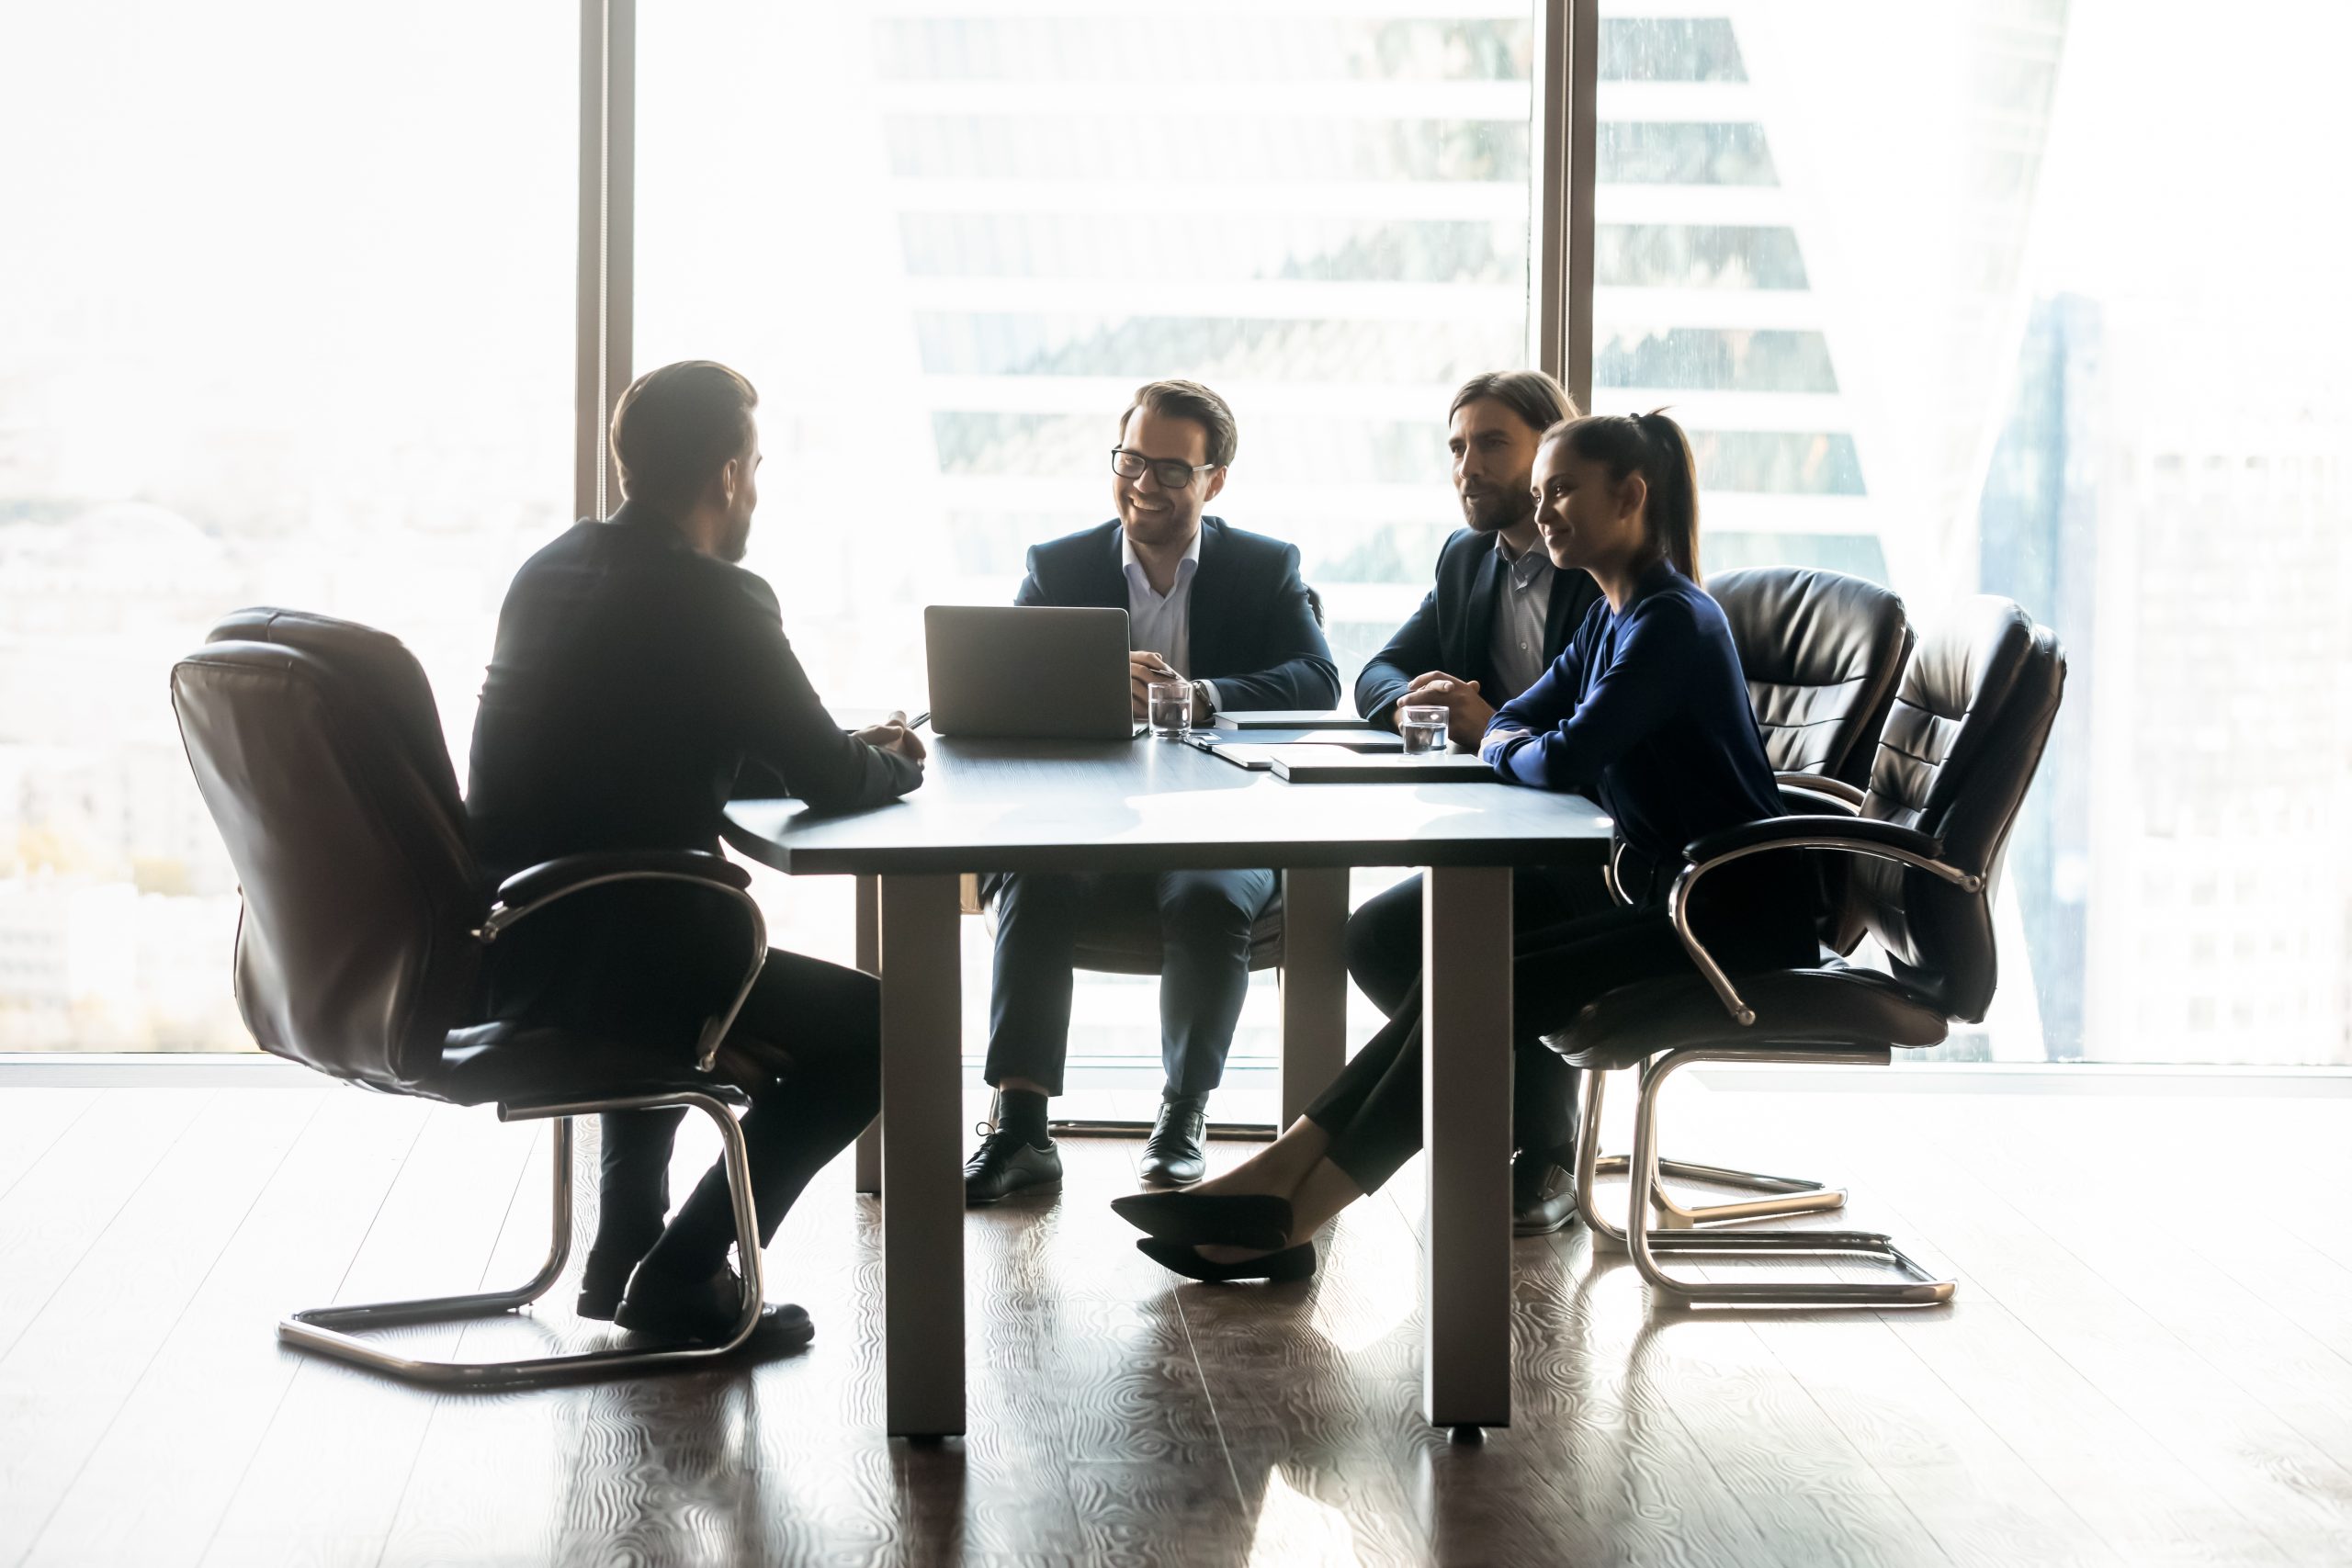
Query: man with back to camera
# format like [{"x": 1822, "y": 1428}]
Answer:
[
  {"x": 1226, "y": 612},
  {"x": 640, "y": 679},
  {"x": 1499, "y": 615}
]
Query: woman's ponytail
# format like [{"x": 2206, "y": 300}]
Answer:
[{"x": 1674, "y": 491}]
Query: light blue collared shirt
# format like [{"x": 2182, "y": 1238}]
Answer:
[{"x": 1162, "y": 624}]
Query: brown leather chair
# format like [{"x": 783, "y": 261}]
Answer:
[
  {"x": 1961, "y": 745},
  {"x": 359, "y": 950}
]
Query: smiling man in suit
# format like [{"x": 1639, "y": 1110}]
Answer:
[
  {"x": 1497, "y": 617},
  {"x": 1226, "y": 612}
]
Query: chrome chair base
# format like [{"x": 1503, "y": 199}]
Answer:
[
  {"x": 1801, "y": 1195},
  {"x": 1793, "y": 1194},
  {"x": 328, "y": 1331},
  {"x": 1920, "y": 1286}
]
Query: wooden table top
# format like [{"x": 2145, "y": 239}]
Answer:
[{"x": 1157, "y": 805}]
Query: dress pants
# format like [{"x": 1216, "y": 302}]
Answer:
[
  {"x": 1204, "y": 919},
  {"x": 828, "y": 1019},
  {"x": 1385, "y": 961},
  {"x": 651, "y": 963},
  {"x": 1751, "y": 918}
]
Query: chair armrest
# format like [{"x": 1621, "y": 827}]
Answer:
[
  {"x": 569, "y": 873},
  {"x": 1849, "y": 835},
  {"x": 1858, "y": 835},
  {"x": 1822, "y": 787},
  {"x": 527, "y": 892}
]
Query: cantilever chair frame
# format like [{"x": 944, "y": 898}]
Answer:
[
  {"x": 331, "y": 1331},
  {"x": 1792, "y": 1194},
  {"x": 1920, "y": 1286}
]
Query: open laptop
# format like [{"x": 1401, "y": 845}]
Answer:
[{"x": 1028, "y": 673}]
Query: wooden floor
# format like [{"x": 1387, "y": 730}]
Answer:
[{"x": 2149, "y": 1362}]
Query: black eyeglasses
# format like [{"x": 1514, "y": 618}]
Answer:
[{"x": 1171, "y": 473}]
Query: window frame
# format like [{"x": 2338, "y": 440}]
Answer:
[{"x": 1565, "y": 133}]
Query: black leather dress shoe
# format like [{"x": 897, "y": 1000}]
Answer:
[
  {"x": 706, "y": 1312},
  {"x": 603, "y": 1279},
  {"x": 1007, "y": 1163},
  {"x": 1172, "y": 1156},
  {"x": 1542, "y": 1196},
  {"x": 1275, "y": 1267}
]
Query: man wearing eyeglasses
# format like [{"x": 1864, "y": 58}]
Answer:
[{"x": 1228, "y": 613}]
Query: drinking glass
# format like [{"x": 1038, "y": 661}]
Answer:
[
  {"x": 1170, "y": 705},
  {"x": 1422, "y": 730}
]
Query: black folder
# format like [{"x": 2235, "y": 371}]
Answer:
[{"x": 1332, "y": 765}]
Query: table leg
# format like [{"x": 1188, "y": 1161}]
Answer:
[
  {"x": 869, "y": 958},
  {"x": 1466, "y": 1104},
  {"x": 923, "y": 1208},
  {"x": 1314, "y": 985}
]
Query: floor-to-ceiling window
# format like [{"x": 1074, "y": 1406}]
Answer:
[
  {"x": 947, "y": 242},
  {"x": 2039, "y": 299},
  {"x": 2033, "y": 298},
  {"x": 286, "y": 317}
]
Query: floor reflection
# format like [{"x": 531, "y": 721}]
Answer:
[{"x": 663, "y": 1470}]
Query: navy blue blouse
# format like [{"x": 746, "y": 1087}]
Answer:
[{"x": 1647, "y": 712}]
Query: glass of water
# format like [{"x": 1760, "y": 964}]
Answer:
[
  {"x": 1422, "y": 730},
  {"x": 1170, "y": 706}
]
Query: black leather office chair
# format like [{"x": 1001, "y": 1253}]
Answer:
[
  {"x": 1961, "y": 748},
  {"x": 1823, "y": 654},
  {"x": 317, "y": 749}
]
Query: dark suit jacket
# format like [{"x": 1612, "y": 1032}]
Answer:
[
  {"x": 1454, "y": 628},
  {"x": 1252, "y": 626},
  {"x": 635, "y": 686}
]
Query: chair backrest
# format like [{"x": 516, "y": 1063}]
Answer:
[
  {"x": 317, "y": 749},
  {"x": 1821, "y": 653},
  {"x": 1960, "y": 749}
]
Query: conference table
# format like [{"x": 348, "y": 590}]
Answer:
[{"x": 1031, "y": 805}]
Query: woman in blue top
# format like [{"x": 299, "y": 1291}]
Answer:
[{"x": 1647, "y": 711}]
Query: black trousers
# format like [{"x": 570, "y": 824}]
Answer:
[
  {"x": 651, "y": 963},
  {"x": 1752, "y": 920},
  {"x": 1204, "y": 919},
  {"x": 829, "y": 1020},
  {"x": 1385, "y": 961}
]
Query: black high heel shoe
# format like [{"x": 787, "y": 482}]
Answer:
[
  {"x": 1283, "y": 1268},
  {"x": 1196, "y": 1219}
]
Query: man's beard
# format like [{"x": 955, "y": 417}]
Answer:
[
  {"x": 737, "y": 542},
  {"x": 1495, "y": 513}
]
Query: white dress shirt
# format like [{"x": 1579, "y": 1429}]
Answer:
[{"x": 1162, "y": 624}]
